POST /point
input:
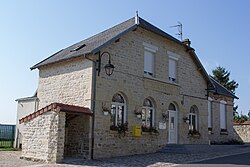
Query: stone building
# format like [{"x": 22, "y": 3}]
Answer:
[
  {"x": 158, "y": 94},
  {"x": 25, "y": 106}
]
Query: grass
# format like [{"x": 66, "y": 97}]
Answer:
[
  {"x": 5, "y": 145},
  {"x": 8, "y": 149}
]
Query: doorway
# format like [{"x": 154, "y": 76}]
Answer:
[{"x": 172, "y": 124}]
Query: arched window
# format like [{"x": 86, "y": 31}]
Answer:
[
  {"x": 147, "y": 114},
  {"x": 171, "y": 107},
  {"x": 118, "y": 110},
  {"x": 193, "y": 119}
]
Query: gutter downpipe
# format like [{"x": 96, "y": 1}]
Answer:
[{"x": 93, "y": 95}]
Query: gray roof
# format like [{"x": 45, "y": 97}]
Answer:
[
  {"x": 34, "y": 97},
  {"x": 221, "y": 90},
  {"x": 90, "y": 45},
  {"x": 95, "y": 43}
]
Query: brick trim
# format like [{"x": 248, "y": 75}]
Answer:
[
  {"x": 57, "y": 107},
  {"x": 243, "y": 123}
]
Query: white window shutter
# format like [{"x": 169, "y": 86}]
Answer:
[
  {"x": 222, "y": 116},
  {"x": 172, "y": 68},
  {"x": 148, "y": 62},
  {"x": 209, "y": 114}
]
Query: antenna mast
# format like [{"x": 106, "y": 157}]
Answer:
[{"x": 179, "y": 25}]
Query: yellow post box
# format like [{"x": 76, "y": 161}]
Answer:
[{"x": 136, "y": 131}]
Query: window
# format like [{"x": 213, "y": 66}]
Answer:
[
  {"x": 147, "y": 114},
  {"x": 148, "y": 63},
  {"x": 210, "y": 113},
  {"x": 193, "y": 119},
  {"x": 172, "y": 70},
  {"x": 149, "y": 59},
  {"x": 223, "y": 115},
  {"x": 118, "y": 110},
  {"x": 171, "y": 107},
  {"x": 172, "y": 66}
]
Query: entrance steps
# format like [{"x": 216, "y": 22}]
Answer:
[{"x": 196, "y": 148}]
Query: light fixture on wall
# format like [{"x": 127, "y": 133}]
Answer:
[
  {"x": 186, "y": 120},
  {"x": 165, "y": 115},
  {"x": 109, "y": 68}
]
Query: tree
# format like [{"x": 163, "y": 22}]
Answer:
[{"x": 221, "y": 75}]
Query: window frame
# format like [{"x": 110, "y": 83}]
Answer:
[
  {"x": 117, "y": 105},
  {"x": 152, "y": 114},
  {"x": 173, "y": 57},
  {"x": 152, "y": 50},
  {"x": 223, "y": 113},
  {"x": 149, "y": 71},
  {"x": 152, "y": 122},
  {"x": 195, "y": 114}
]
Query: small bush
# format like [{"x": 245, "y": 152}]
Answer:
[{"x": 229, "y": 142}]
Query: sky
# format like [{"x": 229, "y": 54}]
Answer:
[{"x": 30, "y": 31}]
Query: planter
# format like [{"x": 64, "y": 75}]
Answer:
[{"x": 194, "y": 134}]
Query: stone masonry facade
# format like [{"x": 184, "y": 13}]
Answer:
[
  {"x": 53, "y": 136},
  {"x": 43, "y": 137},
  {"x": 77, "y": 136},
  {"x": 215, "y": 134},
  {"x": 68, "y": 82},
  {"x": 129, "y": 80}
]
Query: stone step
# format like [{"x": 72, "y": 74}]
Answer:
[{"x": 196, "y": 148}]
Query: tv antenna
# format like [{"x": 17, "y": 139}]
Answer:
[{"x": 179, "y": 26}]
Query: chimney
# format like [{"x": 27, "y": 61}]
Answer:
[{"x": 186, "y": 42}]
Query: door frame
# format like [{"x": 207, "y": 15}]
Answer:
[{"x": 176, "y": 125}]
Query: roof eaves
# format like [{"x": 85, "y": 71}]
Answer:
[
  {"x": 75, "y": 56},
  {"x": 39, "y": 64},
  {"x": 58, "y": 107},
  {"x": 232, "y": 95},
  {"x": 200, "y": 66},
  {"x": 150, "y": 27},
  {"x": 26, "y": 98}
]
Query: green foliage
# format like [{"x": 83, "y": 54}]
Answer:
[
  {"x": 221, "y": 75},
  {"x": 229, "y": 142},
  {"x": 9, "y": 149},
  {"x": 240, "y": 119}
]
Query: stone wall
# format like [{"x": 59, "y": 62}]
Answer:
[
  {"x": 68, "y": 82},
  {"x": 77, "y": 139},
  {"x": 216, "y": 135},
  {"x": 24, "y": 107},
  {"x": 43, "y": 137},
  {"x": 242, "y": 132},
  {"x": 128, "y": 79}
]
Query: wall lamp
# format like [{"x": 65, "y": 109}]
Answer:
[
  {"x": 186, "y": 120},
  {"x": 109, "y": 68}
]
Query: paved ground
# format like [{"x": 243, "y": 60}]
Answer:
[
  {"x": 238, "y": 160},
  {"x": 11, "y": 159}
]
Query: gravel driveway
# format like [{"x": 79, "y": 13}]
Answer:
[{"x": 11, "y": 159}]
